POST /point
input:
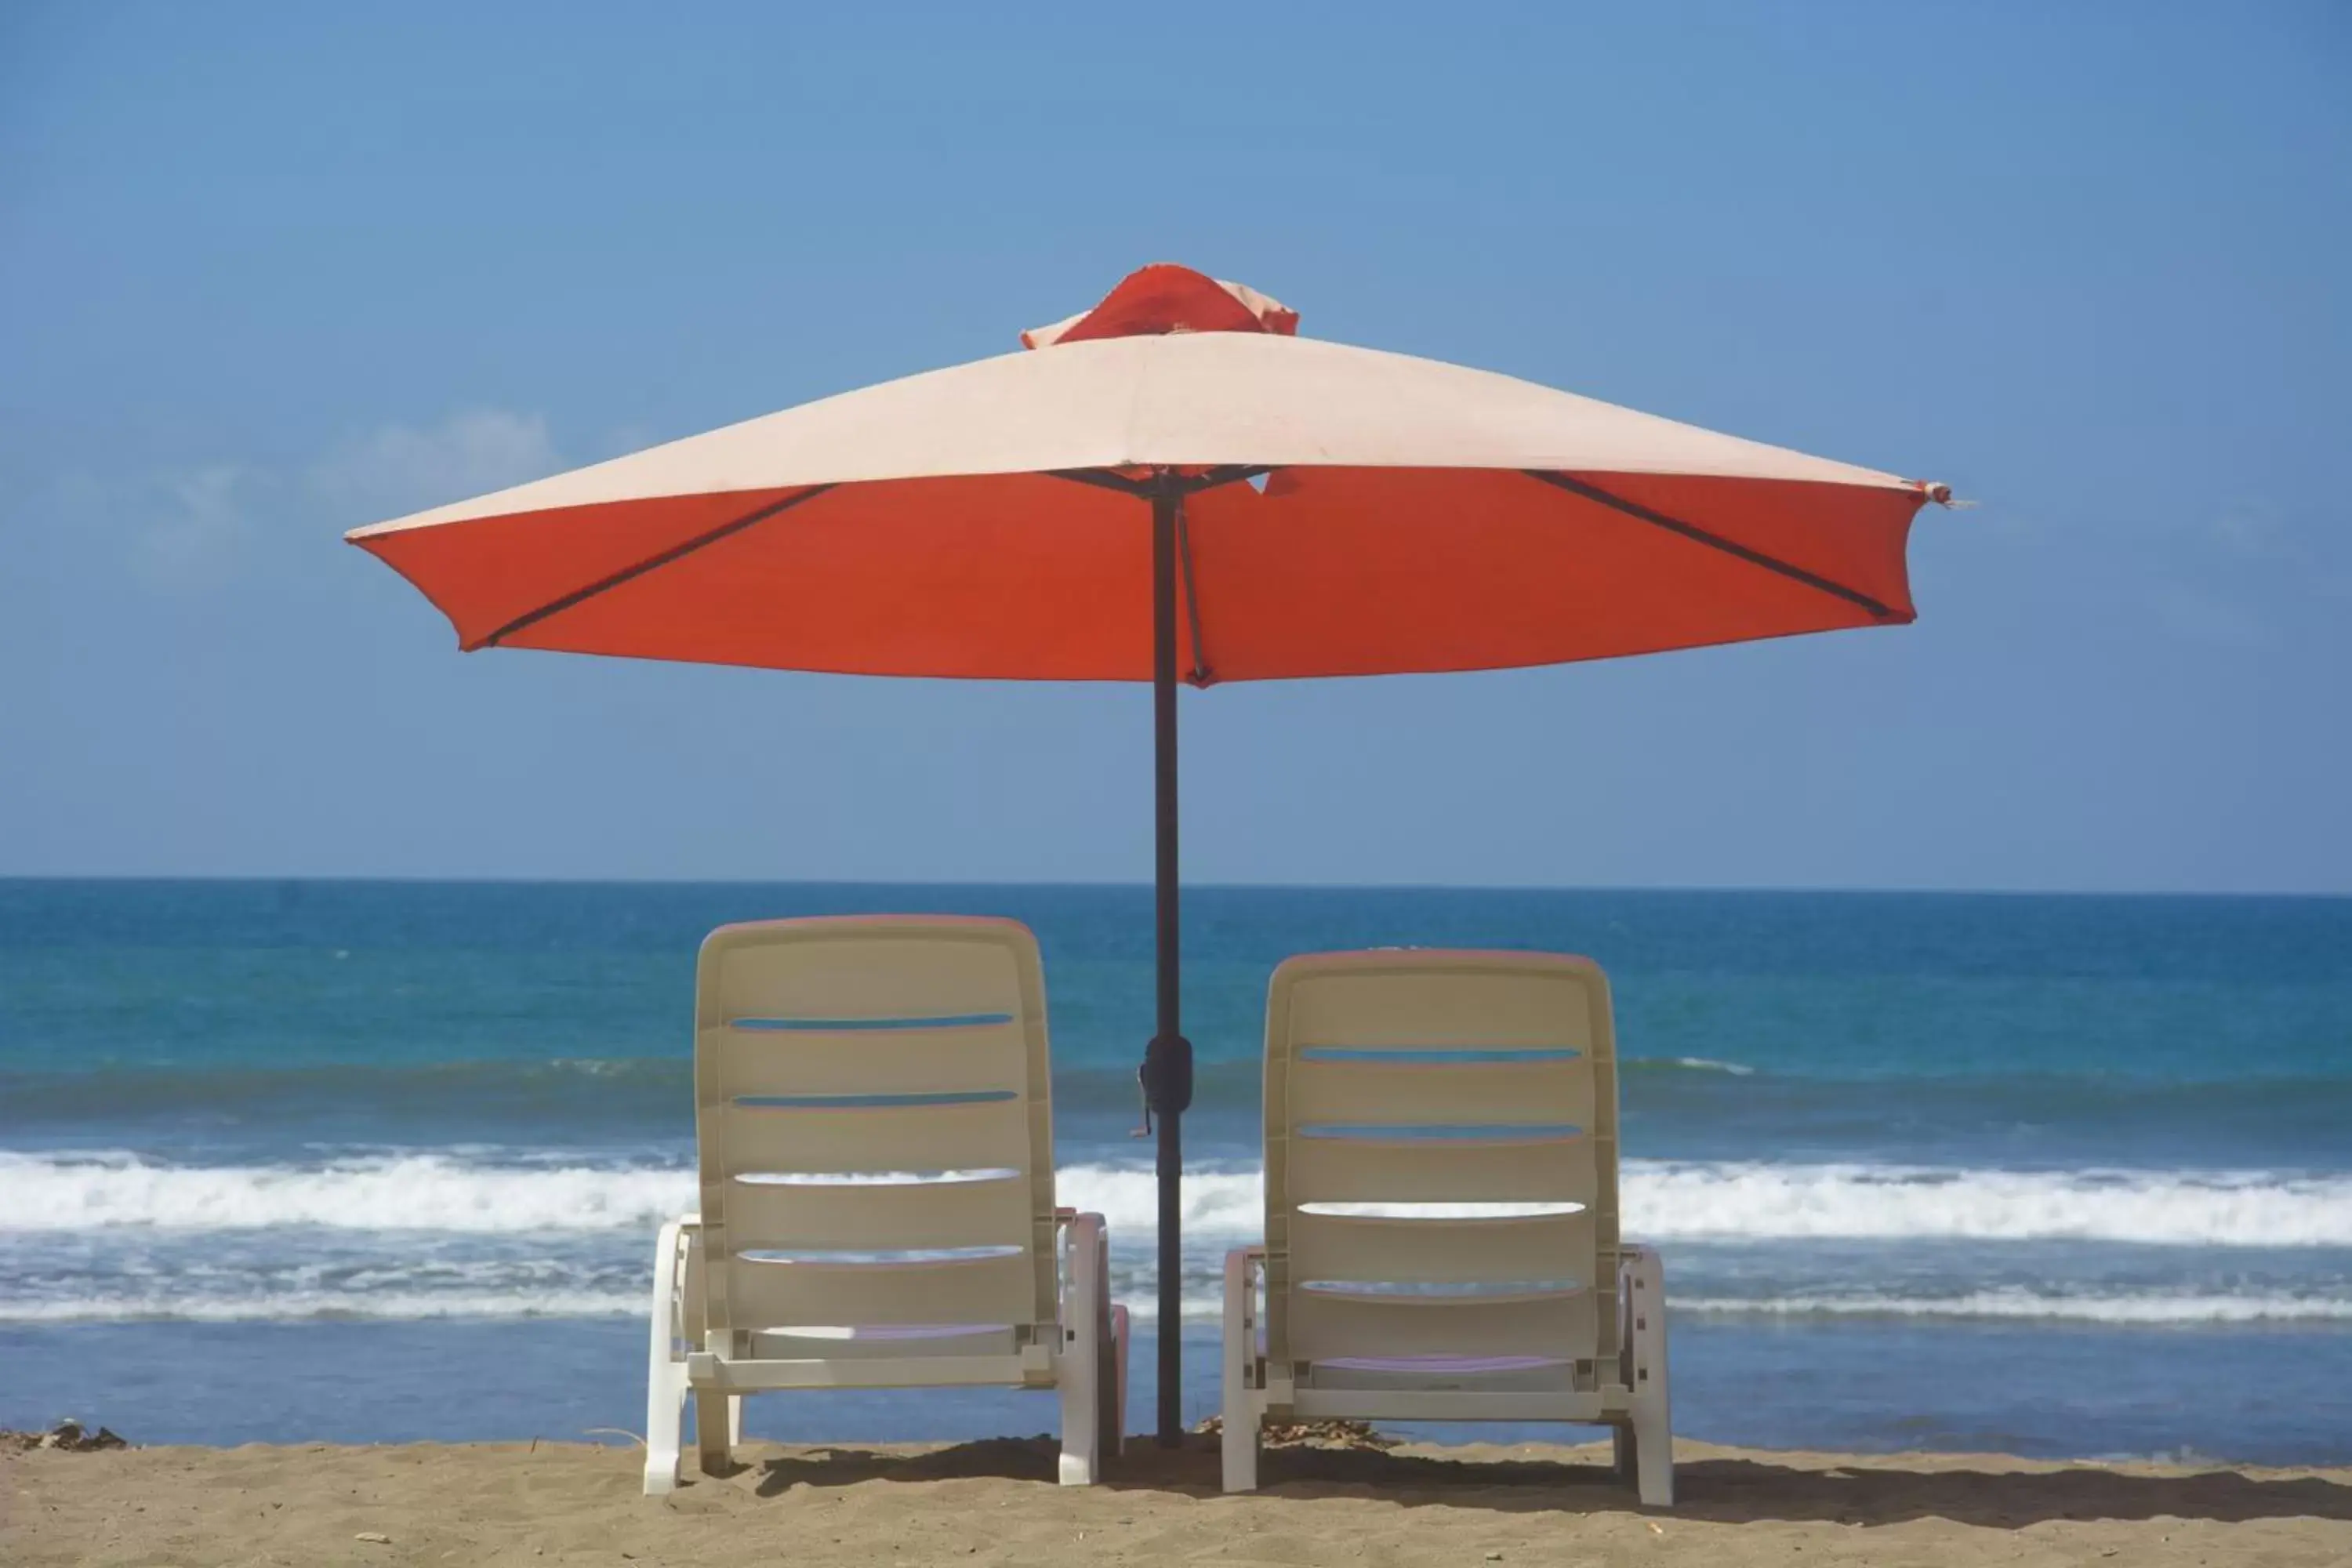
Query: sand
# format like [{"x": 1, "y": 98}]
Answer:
[{"x": 991, "y": 1503}]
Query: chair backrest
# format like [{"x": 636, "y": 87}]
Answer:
[
  {"x": 874, "y": 1115},
  {"x": 1402, "y": 1084}
]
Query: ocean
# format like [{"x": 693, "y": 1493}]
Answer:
[{"x": 381, "y": 1161}]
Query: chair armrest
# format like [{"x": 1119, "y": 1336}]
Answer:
[
  {"x": 1630, "y": 1258},
  {"x": 1243, "y": 1266},
  {"x": 672, "y": 1261},
  {"x": 1243, "y": 1263},
  {"x": 1086, "y": 1271},
  {"x": 1638, "y": 1260},
  {"x": 1641, "y": 1307},
  {"x": 676, "y": 1235}
]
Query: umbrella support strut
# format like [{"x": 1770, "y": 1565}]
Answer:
[{"x": 1167, "y": 1060}]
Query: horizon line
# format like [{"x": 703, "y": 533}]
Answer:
[{"x": 1144, "y": 886}]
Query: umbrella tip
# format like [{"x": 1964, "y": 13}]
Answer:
[{"x": 1165, "y": 297}]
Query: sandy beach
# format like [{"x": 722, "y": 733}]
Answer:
[{"x": 991, "y": 1503}]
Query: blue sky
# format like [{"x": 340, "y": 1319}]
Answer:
[{"x": 266, "y": 272}]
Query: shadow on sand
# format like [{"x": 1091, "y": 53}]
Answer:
[{"x": 1717, "y": 1488}]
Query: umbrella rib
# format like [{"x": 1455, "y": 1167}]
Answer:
[
  {"x": 1102, "y": 478},
  {"x": 1200, "y": 676},
  {"x": 650, "y": 563},
  {"x": 1213, "y": 479},
  {"x": 1230, "y": 474},
  {"x": 1715, "y": 540}
]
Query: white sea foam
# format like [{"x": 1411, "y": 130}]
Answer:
[
  {"x": 325, "y": 1306},
  {"x": 1690, "y": 1200},
  {"x": 2152, "y": 1308},
  {"x": 1754, "y": 1200},
  {"x": 1742, "y": 1200},
  {"x": 417, "y": 1192},
  {"x": 369, "y": 1306}
]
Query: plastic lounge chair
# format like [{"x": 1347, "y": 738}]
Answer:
[
  {"x": 1440, "y": 1210},
  {"x": 874, "y": 1117}
]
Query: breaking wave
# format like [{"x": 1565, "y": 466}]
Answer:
[
  {"x": 1701, "y": 1200},
  {"x": 2153, "y": 1308}
]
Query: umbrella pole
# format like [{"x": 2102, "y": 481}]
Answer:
[{"x": 1167, "y": 1061}]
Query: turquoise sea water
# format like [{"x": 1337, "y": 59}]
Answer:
[{"x": 2050, "y": 1174}]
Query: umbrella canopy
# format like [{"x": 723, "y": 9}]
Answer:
[
  {"x": 1174, "y": 487},
  {"x": 1410, "y": 516}
]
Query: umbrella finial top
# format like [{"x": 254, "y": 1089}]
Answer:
[{"x": 1166, "y": 298}]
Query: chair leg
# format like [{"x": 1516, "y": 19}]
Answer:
[
  {"x": 1622, "y": 1459},
  {"x": 1654, "y": 1455},
  {"x": 1240, "y": 1420},
  {"x": 1110, "y": 1362},
  {"x": 1654, "y": 1437},
  {"x": 1240, "y": 1444},
  {"x": 1081, "y": 1418},
  {"x": 1121, "y": 1331},
  {"x": 716, "y": 1422},
  {"x": 665, "y": 1427},
  {"x": 666, "y": 1386},
  {"x": 1084, "y": 1312}
]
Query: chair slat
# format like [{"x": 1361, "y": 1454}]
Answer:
[
  {"x": 806, "y": 1295},
  {"x": 950, "y": 1060},
  {"x": 1441, "y": 1251},
  {"x": 1413, "y": 1005},
  {"x": 861, "y": 973},
  {"x": 880, "y": 1216},
  {"x": 1348, "y": 1170},
  {"x": 1324, "y": 1326},
  {"x": 981, "y": 1135},
  {"x": 1423, "y": 1092}
]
